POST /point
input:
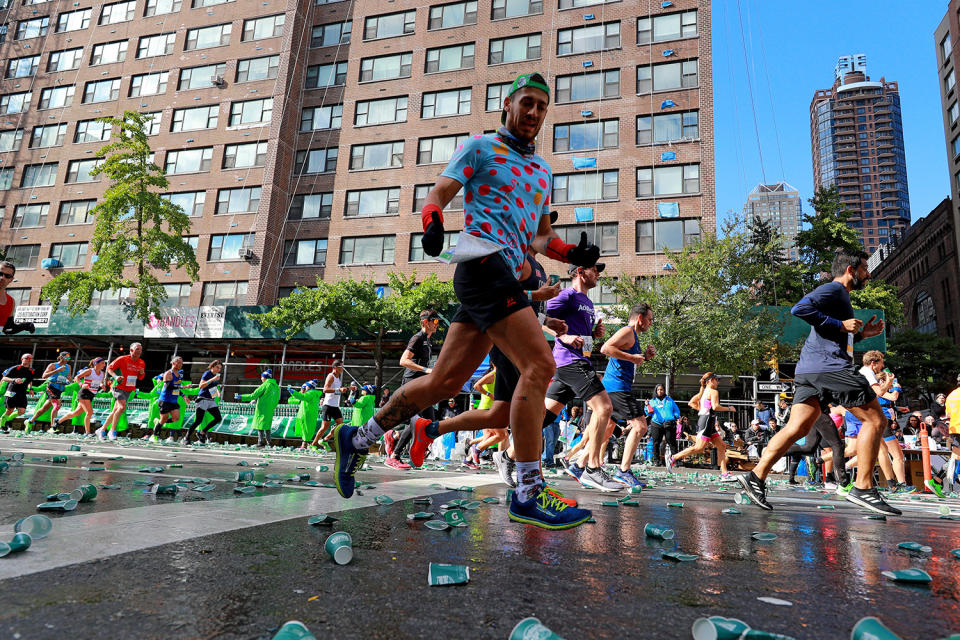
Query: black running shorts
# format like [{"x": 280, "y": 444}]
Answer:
[
  {"x": 488, "y": 291},
  {"x": 507, "y": 376},
  {"x": 87, "y": 394},
  {"x": 331, "y": 413},
  {"x": 575, "y": 381},
  {"x": 626, "y": 407},
  {"x": 845, "y": 387},
  {"x": 54, "y": 392},
  {"x": 167, "y": 407},
  {"x": 16, "y": 401},
  {"x": 888, "y": 434},
  {"x": 707, "y": 427}
]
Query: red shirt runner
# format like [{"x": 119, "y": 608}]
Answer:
[
  {"x": 7, "y": 308},
  {"x": 131, "y": 370}
]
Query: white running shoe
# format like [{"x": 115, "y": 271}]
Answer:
[{"x": 100, "y": 436}]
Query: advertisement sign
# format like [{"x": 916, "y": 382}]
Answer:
[
  {"x": 173, "y": 322},
  {"x": 210, "y": 321},
  {"x": 39, "y": 315},
  {"x": 296, "y": 369}
]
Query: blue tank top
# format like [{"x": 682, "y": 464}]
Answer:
[
  {"x": 619, "y": 373},
  {"x": 206, "y": 392},
  {"x": 171, "y": 389},
  {"x": 60, "y": 379}
]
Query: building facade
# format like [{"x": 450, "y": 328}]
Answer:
[
  {"x": 948, "y": 59},
  {"x": 302, "y": 137},
  {"x": 780, "y": 206},
  {"x": 857, "y": 137}
]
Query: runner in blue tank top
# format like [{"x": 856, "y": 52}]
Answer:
[{"x": 170, "y": 395}]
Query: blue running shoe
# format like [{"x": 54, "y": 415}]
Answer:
[
  {"x": 547, "y": 511},
  {"x": 572, "y": 468},
  {"x": 626, "y": 477},
  {"x": 349, "y": 458}
]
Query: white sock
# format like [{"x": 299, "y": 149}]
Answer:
[
  {"x": 367, "y": 434},
  {"x": 528, "y": 480}
]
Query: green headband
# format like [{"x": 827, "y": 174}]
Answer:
[{"x": 534, "y": 80}]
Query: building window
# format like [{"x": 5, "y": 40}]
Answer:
[
  {"x": 389, "y": 25},
  {"x": 152, "y": 46},
  {"x": 946, "y": 48},
  {"x": 30, "y": 215},
  {"x": 328, "y": 35},
  {"x": 245, "y": 156},
  {"x": 56, "y": 97},
  {"x": 109, "y": 52},
  {"x": 251, "y": 112},
  {"x": 39, "y": 175},
  {"x": 241, "y": 200},
  {"x": 149, "y": 84},
  {"x": 667, "y": 234},
  {"x": 420, "y": 192},
  {"x": 515, "y": 8},
  {"x": 35, "y": 28},
  {"x": 117, "y": 12},
  {"x": 161, "y": 7},
  {"x": 954, "y": 113},
  {"x": 668, "y": 127},
  {"x": 574, "y": 4},
  {"x": 596, "y": 37},
  {"x": 208, "y": 3},
  {"x": 671, "y": 180},
  {"x": 152, "y": 122},
  {"x": 438, "y": 150},
  {"x": 251, "y": 69},
  {"x": 51, "y": 135},
  {"x": 24, "y": 256},
  {"x": 21, "y": 297},
  {"x": 516, "y": 49},
  {"x": 228, "y": 246},
  {"x": 195, "y": 118},
  {"x": 495, "y": 95},
  {"x": 207, "y": 37},
  {"x": 70, "y": 254},
  {"x": 458, "y": 14},
  {"x": 76, "y": 212},
  {"x": 949, "y": 81},
  {"x": 6, "y": 179},
  {"x": 67, "y": 60},
  {"x": 321, "y": 118},
  {"x": 372, "y": 202},
  {"x": 10, "y": 140},
  {"x": 189, "y": 160},
  {"x": 450, "y": 58},
  {"x": 190, "y": 201},
  {"x": 81, "y": 171},
  {"x": 386, "y": 67},
  {"x": 925, "y": 313},
  {"x": 667, "y": 27},
  {"x": 221, "y": 294},
  {"x": 261, "y": 28},
  {"x": 455, "y": 102},
  {"x": 178, "y": 295},
  {"x": 101, "y": 90},
  {"x": 376, "y": 156},
  {"x": 367, "y": 250},
  {"x": 22, "y": 67},
  {"x": 604, "y": 235},
  {"x": 588, "y": 86},
  {"x": 579, "y": 136},
  {"x": 15, "y": 102},
  {"x": 670, "y": 75},
  {"x": 305, "y": 253},
  {"x": 307, "y": 206},
  {"x": 585, "y": 187},
  {"x": 210, "y": 75},
  {"x": 383, "y": 111},
  {"x": 416, "y": 253},
  {"x": 326, "y": 75},
  {"x": 316, "y": 161}
]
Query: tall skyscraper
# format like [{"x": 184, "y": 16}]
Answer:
[
  {"x": 303, "y": 136},
  {"x": 857, "y": 137},
  {"x": 780, "y": 206}
]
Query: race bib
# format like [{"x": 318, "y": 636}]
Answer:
[
  {"x": 10, "y": 393},
  {"x": 131, "y": 381},
  {"x": 215, "y": 392},
  {"x": 587, "y": 343}
]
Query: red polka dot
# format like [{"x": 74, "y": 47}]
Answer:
[
  {"x": 533, "y": 217},
  {"x": 499, "y": 232},
  {"x": 528, "y": 187},
  {"x": 468, "y": 197},
  {"x": 484, "y": 189},
  {"x": 517, "y": 269},
  {"x": 468, "y": 171},
  {"x": 475, "y": 233},
  {"x": 546, "y": 202},
  {"x": 493, "y": 172},
  {"x": 507, "y": 188},
  {"x": 486, "y": 227},
  {"x": 486, "y": 209},
  {"x": 497, "y": 199},
  {"x": 500, "y": 160},
  {"x": 529, "y": 235},
  {"x": 523, "y": 225},
  {"x": 478, "y": 151},
  {"x": 523, "y": 247},
  {"x": 520, "y": 203},
  {"x": 468, "y": 219},
  {"x": 528, "y": 170},
  {"x": 506, "y": 207},
  {"x": 516, "y": 171},
  {"x": 543, "y": 183}
]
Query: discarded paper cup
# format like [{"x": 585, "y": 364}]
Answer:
[
  {"x": 322, "y": 519},
  {"x": 60, "y": 505},
  {"x": 871, "y": 628},
  {"x": 763, "y": 536},
  {"x": 916, "y": 576},
  {"x": 76, "y": 494},
  {"x": 59, "y": 459},
  {"x": 718, "y": 628},
  {"x": 419, "y": 515},
  {"x": 436, "y": 525},
  {"x": 246, "y": 490},
  {"x": 532, "y": 629},
  {"x": 339, "y": 546},
  {"x": 74, "y": 447},
  {"x": 16, "y": 456},
  {"x": 4, "y": 549},
  {"x": 741, "y": 498},
  {"x": 446, "y": 574},
  {"x": 36, "y": 526},
  {"x": 915, "y": 547},
  {"x": 679, "y": 556},
  {"x": 4, "y": 466},
  {"x": 164, "y": 489},
  {"x": 653, "y": 531},
  {"x": 20, "y": 542},
  {"x": 294, "y": 630},
  {"x": 243, "y": 476},
  {"x": 383, "y": 500},
  {"x": 88, "y": 493},
  {"x": 756, "y": 634},
  {"x": 454, "y": 518}
]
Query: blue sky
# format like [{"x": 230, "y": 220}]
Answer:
[{"x": 796, "y": 45}]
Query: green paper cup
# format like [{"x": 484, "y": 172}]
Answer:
[
  {"x": 915, "y": 547},
  {"x": 731, "y": 511},
  {"x": 872, "y": 629},
  {"x": 88, "y": 493},
  {"x": 679, "y": 556},
  {"x": 20, "y": 542},
  {"x": 36, "y": 526},
  {"x": 4, "y": 466},
  {"x": 204, "y": 488},
  {"x": 383, "y": 500},
  {"x": 741, "y": 498},
  {"x": 636, "y": 489},
  {"x": 915, "y": 576},
  {"x": 436, "y": 525},
  {"x": 446, "y": 574},
  {"x": 16, "y": 456},
  {"x": 654, "y": 531},
  {"x": 74, "y": 447},
  {"x": 454, "y": 518},
  {"x": 718, "y": 628},
  {"x": 322, "y": 519},
  {"x": 4, "y": 549},
  {"x": 245, "y": 490},
  {"x": 678, "y": 505},
  {"x": 340, "y": 547},
  {"x": 59, "y": 459},
  {"x": 60, "y": 505},
  {"x": 294, "y": 630},
  {"x": 763, "y": 536},
  {"x": 164, "y": 489},
  {"x": 532, "y": 629},
  {"x": 419, "y": 515},
  {"x": 756, "y": 634},
  {"x": 76, "y": 494},
  {"x": 243, "y": 476}
]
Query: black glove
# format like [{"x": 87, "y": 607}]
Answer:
[
  {"x": 584, "y": 254},
  {"x": 16, "y": 327},
  {"x": 432, "y": 240}
]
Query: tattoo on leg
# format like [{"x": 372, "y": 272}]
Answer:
[{"x": 399, "y": 409}]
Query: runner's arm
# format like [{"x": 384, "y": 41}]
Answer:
[
  {"x": 444, "y": 190},
  {"x": 328, "y": 384},
  {"x": 486, "y": 378},
  {"x": 807, "y": 311},
  {"x": 618, "y": 342}
]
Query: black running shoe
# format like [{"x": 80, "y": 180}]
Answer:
[
  {"x": 755, "y": 488},
  {"x": 870, "y": 499}
]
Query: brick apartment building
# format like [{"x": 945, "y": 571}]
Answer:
[{"x": 302, "y": 136}]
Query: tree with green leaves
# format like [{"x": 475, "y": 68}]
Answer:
[
  {"x": 924, "y": 363},
  {"x": 828, "y": 233},
  {"x": 360, "y": 306},
  {"x": 137, "y": 233}
]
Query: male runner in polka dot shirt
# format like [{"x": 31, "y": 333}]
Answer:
[{"x": 506, "y": 192}]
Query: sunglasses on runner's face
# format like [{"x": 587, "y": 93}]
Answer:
[{"x": 6, "y": 275}]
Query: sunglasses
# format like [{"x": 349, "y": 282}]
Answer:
[{"x": 6, "y": 275}]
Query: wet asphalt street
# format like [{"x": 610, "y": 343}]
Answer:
[{"x": 219, "y": 564}]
